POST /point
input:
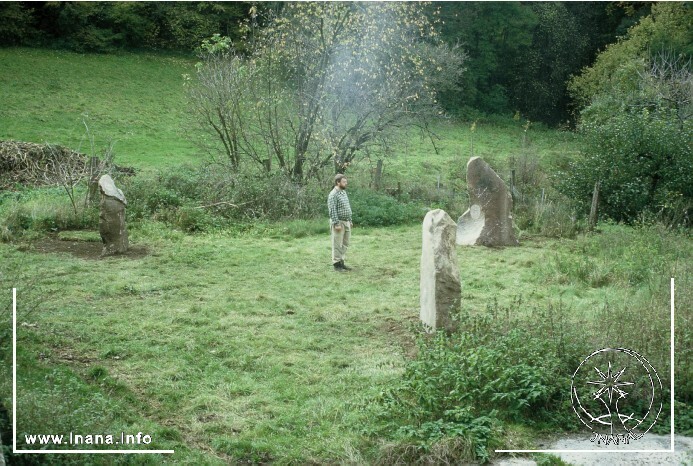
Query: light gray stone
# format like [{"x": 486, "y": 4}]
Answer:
[
  {"x": 488, "y": 221},
  {"x": 112, "y": 225},
  {"x": 440, "y": 275},
  {"x": 108, "y": 188}
]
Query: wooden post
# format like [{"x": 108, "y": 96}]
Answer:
[
  {"x": 378, "y": 174},
  {"x": 93, "y": 180},
  {"x": 594, "y": 210}
]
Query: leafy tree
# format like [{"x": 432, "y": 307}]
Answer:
[
  {"x": 109, "y": 26},
  {"x": 522, "y": 53},
  {"x": 667, "y": 28},
  {"x": 637, "y": 119},
  {"x": 540, "y": 72},
  {"x": 16, "y": 24},
  {"x": 493, "y": 34},
  {"x": 325, "y": 82}
]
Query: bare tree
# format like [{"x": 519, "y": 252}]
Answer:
[
  {"x": 68, "y": 168},
  {"x": 668, "y": 80},
  {"x": 323, "y": 82}
]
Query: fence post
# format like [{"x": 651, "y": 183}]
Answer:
[
  {"x": 378, "y": 174},
  {"x": 93, "y": 180},
  {"x": 594, "y": 209}
]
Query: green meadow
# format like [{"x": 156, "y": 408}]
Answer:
[{"x": 238, "y": 343}]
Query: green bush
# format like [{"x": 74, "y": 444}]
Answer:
[
  {"x": 643, "y": 160},
  {"x": 636, "y": 117},
  {"x": 375, "y": 209},
  {"x": 199, "y": 199},
  {"x": 494, "y": 369}
]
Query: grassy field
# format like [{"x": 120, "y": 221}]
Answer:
[
  {"x": 249, "y": 347},
  {"x": 241, "y": 344}
]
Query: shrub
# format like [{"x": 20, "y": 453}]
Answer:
[
  {"x": 199, "y": 199},
  {"x": 643, "y": 160},
  {"x": 371, "y": 208},
  {"x": 637, "y": 119},
  {"x": 553, "y": 219},
  {"x": 494, "y": 369}
]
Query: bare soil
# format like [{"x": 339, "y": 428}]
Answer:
[{"x": 82, "y": 249}]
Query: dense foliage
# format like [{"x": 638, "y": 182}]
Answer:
[
  {"x": 493, "y": 370},
  {"x": 111, "y": 26},
  {"x": 637, "y": 120},
  {"x": 521, "y": 54}
]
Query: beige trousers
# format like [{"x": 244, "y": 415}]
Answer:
[{"x": 340, "y": 241}]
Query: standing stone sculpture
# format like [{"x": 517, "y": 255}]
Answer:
[
  {"x": 440, "y": 274},
  {"x": 488, "y": 221},
  {"x": 112, "y": 227}
]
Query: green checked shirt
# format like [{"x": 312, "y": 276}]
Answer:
[{"x": 338, "y": 205}]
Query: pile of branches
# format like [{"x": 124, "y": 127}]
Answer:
[
  {"x": 26, "y": 163},
  {"x": 30, "y": 164}
]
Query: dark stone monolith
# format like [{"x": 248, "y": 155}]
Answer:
[
  {"x": 488, "y": 221},
  {"x": 112, "y": 226}
]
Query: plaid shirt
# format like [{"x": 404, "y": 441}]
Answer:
[{"x": 338, "y": 205}]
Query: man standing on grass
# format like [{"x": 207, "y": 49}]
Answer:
[{"x": 340, "y": 222}]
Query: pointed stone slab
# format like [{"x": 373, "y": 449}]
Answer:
[
  {"x": 489, "y": 220},
  {"x": 440, "y": 275}
]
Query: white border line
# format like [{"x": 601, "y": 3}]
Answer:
[
  {"x": 671, "y": 363},
  {"x": 14, "y": 370},
  {"x": 14, "y": 401},
  {"x": 671, "y": 450},
  {"x": 94, "y": 451}
]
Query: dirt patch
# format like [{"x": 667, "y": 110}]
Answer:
[
  {"x": 82, "y": 249},
  {"x": 402, "y": 332}
]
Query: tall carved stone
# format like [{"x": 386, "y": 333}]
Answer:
[
  {"x": 112, "y": 226},
  {"x": 488, "y": 221},
  {"x": 440, "y": 274}
]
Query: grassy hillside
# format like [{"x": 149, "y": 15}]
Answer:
[
  {"x": 135, "y": 100},
  {"x": 138, "y": 101}
]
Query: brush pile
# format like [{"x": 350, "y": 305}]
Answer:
[{"x": 31, "y": 164}]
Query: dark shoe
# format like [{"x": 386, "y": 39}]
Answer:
[
  {"x": 338, "y": 267},
  {"x": 344, "y": 265}
]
